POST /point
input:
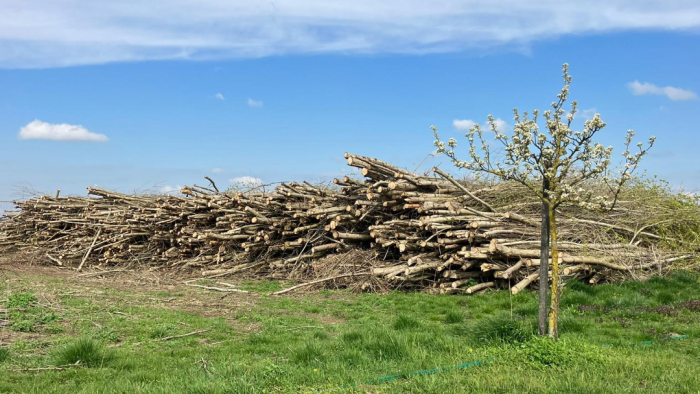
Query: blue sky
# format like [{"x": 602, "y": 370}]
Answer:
[{"x": 286, "y": 108}]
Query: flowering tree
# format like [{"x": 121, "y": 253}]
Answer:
[{"x": 553, "y": 165}]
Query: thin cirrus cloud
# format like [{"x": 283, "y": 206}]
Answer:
[
  {"x": 38, "y": 130},
  {"x": 254, "y": 103},
  {"x": 676, "y": 94},
  {"x": 219, "y": 96},
  {"x": 170, "y": 189},
  {"x": 47, "y": 33},
  {"x": 246, "y": 181},
  {"x": 589, "y": 113},
  {"x": 217, "y": 170},
  {"x": 466, "y": 124}
]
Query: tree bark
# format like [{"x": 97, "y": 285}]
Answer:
[
  {"x": 555, "y": 291},
  {"x": 544, "y": 258}
]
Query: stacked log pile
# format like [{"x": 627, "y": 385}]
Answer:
[{"x": 427, "y": 233}]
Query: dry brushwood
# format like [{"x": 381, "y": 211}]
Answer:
[{"x": 395, "y": 229}]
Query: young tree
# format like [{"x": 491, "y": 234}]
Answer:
[{"x": 553, "y": 165}]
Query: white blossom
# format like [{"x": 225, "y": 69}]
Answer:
[{"x": 529, "y": 153}]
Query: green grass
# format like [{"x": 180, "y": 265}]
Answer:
[
  {"x": 502, "y": 329},
  {"x": 454, "y": 317},
  {"x": 83, "y": 351},
  {"x": 336, "y": 341},
  {"x": 25, "y": 314},
  {"x": 21, "y": 300},
  {"x": 406, "y": 323}
]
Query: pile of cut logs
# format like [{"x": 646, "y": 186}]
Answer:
[{"x": 428, "y": 233}]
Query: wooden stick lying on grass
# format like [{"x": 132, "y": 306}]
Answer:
[
  {"x": 57, "y": 368},
  {"x": 174, "y": 337},
  {"x": 182, "y": 335},
  {"x": 98, "y": 273},
  {"x": 230, "y": 288},
  {"x": 313, "y": 282}
]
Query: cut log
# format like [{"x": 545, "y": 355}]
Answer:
[{"x": 480, "y": 287}]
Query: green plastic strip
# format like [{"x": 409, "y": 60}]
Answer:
[{"x": 390, "y": 378}]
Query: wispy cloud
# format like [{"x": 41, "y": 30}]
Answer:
[
  {"x": 170, "y": 189},
  {"x": 589, "y": 113},
  {"x": 255, "y": 103},
  {"x": 463, "y": 124},
  {"x": 217, "y": 170},
  {"x": 38, "y": 130},
  {"x": 673, "y": 93},
  {"x": 466, "y": 124},
  {"x": 47, "y": 33},
  {"x": 220, "y": 96},
  {"x": 246, "y": 181}
]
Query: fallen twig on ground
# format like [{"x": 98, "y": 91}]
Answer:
[{"x": 313, "y": 282}]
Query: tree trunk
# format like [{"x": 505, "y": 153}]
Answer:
[
  {"x": 544, "y": 259},
  {"x": 556, "y": 291}
]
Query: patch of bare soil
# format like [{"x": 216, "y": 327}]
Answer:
[
  {"x": 136, "y": 287},
  {"x": 22, "y": 272}
]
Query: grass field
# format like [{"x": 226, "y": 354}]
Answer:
[{"x": 336, "y": 341}]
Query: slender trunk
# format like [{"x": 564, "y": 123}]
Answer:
[
  {"x": 544, "y": 261},
  {"x": 556, "y": 288}
]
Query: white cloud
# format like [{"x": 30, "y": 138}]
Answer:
[
  {"x": 217, "y": 170},
  {"x": 466, "y": 124},
  {"x": 501, "y": 125},
  {"x": 254, "y": 103},
  {"x": 246, "y": 181},
  {"x": 220, "y": 96},
  {"x": 170, "y": 189},
  {"x": 673, "y": 93},
  {"x": 47, "y": 33},
  {"x": 589, "y": 113},
  {"x": 38, "y": 130}
]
